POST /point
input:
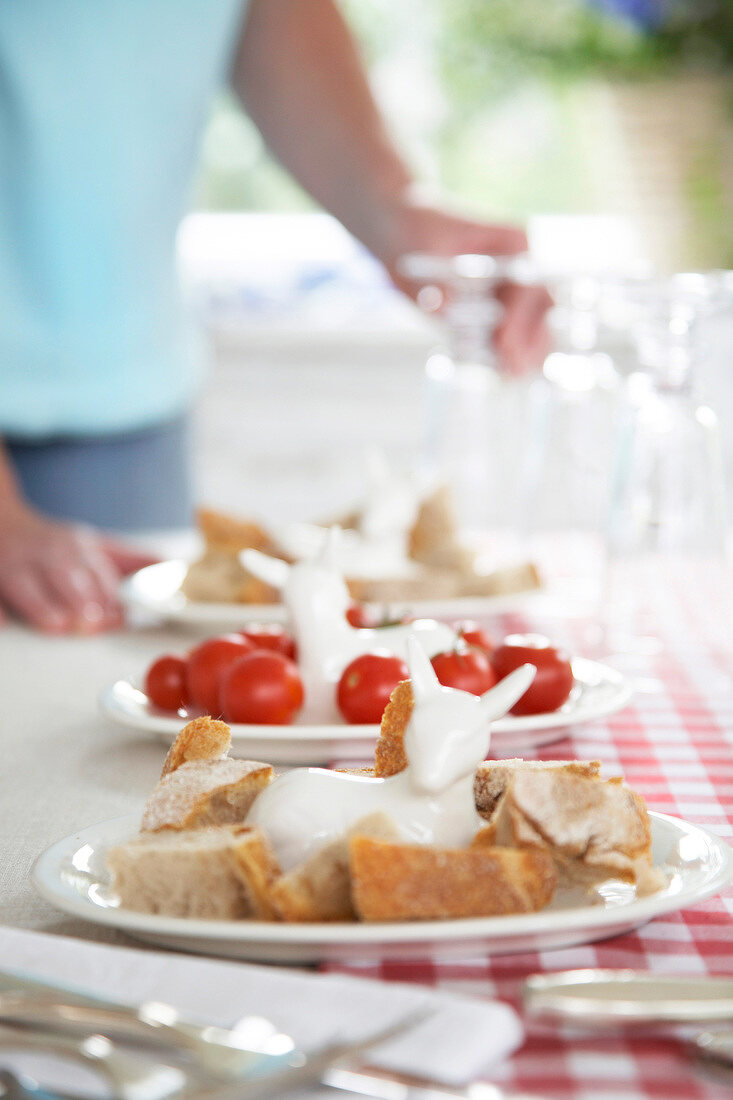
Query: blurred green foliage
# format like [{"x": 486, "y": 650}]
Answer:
[{"x": 496, "y": 102}]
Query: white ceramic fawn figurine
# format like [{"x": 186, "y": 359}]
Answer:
[
  {"x": 430, "y": 802},
  {"x": 316, "y": 597}
]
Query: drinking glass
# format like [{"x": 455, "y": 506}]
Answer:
[
  {"x": 562, "y": 474},
  {"x": 666, "y": 535},
  {"x": 471, "y": 408}
]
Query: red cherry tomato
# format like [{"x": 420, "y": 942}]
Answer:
[
  {"x": 262, "y": 688},
  {"x": 473, "y": 634},
  {"x": 206, "y": 665},
  {"x": 366, "y": 685},
  {"x": 270, "y": 636},
  {"x": 467, "y": 669},
  {"x": 165, "y": 682},
  {"x": 553, "y": 681},
  {"x": 358, "y": 614}
]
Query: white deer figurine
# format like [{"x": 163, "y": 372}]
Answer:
[
  {"x": 316, "y": 597},
  {"x": 430, "y": 802}
]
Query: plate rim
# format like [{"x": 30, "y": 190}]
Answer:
[
  {"x": 507, "y": 726},
  {"x": 184, "y": 610},
  {"x": 336, "y": 934}
]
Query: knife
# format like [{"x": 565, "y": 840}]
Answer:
[{"x": 601, "y": 998}]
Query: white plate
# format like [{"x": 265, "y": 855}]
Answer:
[
  {"x": 696, "y": 864},
  {"x": 598, "y": 692},
  {"x": 156, "y": 589}
]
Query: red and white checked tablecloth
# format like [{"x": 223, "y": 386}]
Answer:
[{"x": 674, "y": 744}]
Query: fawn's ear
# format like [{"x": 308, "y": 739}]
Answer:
[
  {"x": 502, "y": 697},
  {"x": 331, "y": 552},
  {"x": 422, "y": 674},
  {"x": 272, "y": 571}
]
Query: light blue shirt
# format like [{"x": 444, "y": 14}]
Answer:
[{"x": 102, "y": 105}]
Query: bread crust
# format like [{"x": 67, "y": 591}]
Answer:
[
  {"x": 594, "y": 829},
  {"x": 392, "y": 881},
  {"x": 492, "y": 777},
  {"x": 203, "y": 738},
  {"x": 191, "y": 874},
  {"x": 201, "y": 793},
  {"x": 389, "y": 752}
]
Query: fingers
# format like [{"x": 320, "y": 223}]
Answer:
[
  {"x": 498, "y": 240},
  {"x": 522, "y": 338},
  {"x": 126, "y": 559},
  {"x": 58, "y": 578},
  {"x": 24, "y": 594},
  {"x": 85, "y": 582}
]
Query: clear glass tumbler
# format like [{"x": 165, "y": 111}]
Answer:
[
  {"x": 472, "y": 410},
  {"x": 667, "y": 562}
]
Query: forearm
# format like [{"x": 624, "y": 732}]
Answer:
[{"x": 300, "y": 78}]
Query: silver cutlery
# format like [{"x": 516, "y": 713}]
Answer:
[
  {"x": 252, "y": 1045},
  {"x": 131, "y": 1077},
  {"x": 136, "y": 1078},
  {"x": 616, "y": 998},
  {"x": 602, "y": 998}
]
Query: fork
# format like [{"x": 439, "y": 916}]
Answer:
[
  {"x": 251, "y": 1046},
  {"x": 133, "y": 1078}
]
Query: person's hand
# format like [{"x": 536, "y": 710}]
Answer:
[
  {"x": 522, "y": 338},
  {"x": 58, "y": 577}
]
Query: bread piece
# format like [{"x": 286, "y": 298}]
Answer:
[
  {"x": 433, "y": 537},
  {"x": 191, "y": 874},
  {"x": 391, "y": 881},
  {"x": 502, "y": 581},
  {"x": 492, "y": 777},
  {"x": 201, "y": 793},
  {"x": 320, "y": 888},
  {"x": 425, "y": 584},
  {"x": 202, "y": 739},
  {"x": 389, "y": 753},
  {"x": 594, "y": 829},
  {"x": 317, "y": 890},
  {"x": 226, "y": 533},
  {"x": 258, "y": 870},
  {"x": 220, "y": 577}
]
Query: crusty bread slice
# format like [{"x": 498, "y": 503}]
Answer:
[
  {"x": 317, "y": 890},
  {"x": 258, "y": 869},
  {"x": 320, "y": 888},
  {"x": 225, "y": 532},
  {"x": 492, "y": 777},
  {"x": 205, "y": 873},
  {"x": 389, "y": 753},
  {"x": 201, "y": 793},
  {"x": 433, "y": 538},
  {"x": 202, "y": 739},
  {"x": 392, "y": 881},
  {"x": 594, "y": 829},
  {"x": 220, "y": 577}
]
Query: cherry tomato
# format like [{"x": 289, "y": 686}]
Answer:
[
  {"x": 165, "y": 682},
  {"x": 465, "y": 668},
  {"x": 270, "y": 636},
  {"x": 262, "y": 688},
  {"x": 473, "y": 634},
  {"x": 358, "y": 614},
  {"x": 366, "y": 685},
  {"x": 206, "y": 664},
  {"x": 553, "y": 681}
]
